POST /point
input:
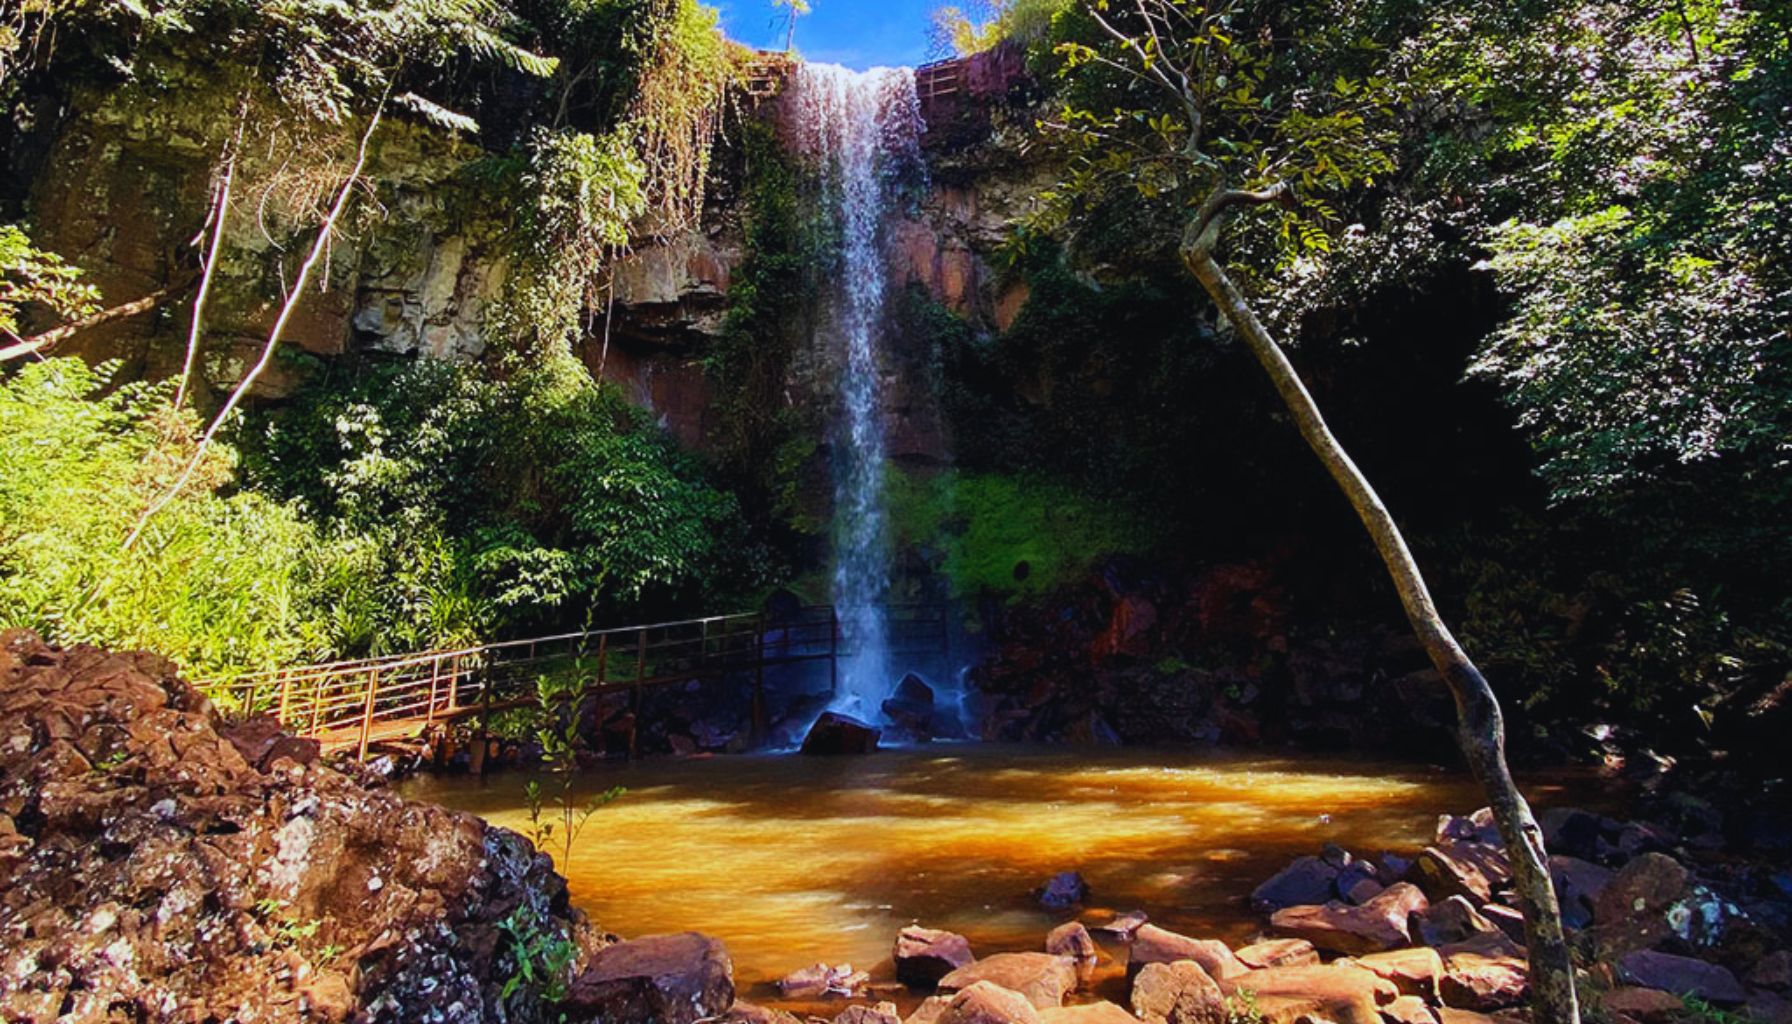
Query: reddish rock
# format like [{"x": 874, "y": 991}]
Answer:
[
  {"x": 925, "y": 955},
  {"x": 1506, "y": 920},
  {"x": 164, "y": 868},
  {"x": 1154, "y": 945},
  {"x": 1073, "y": 941},
  {"x": 1453, "y": 1015},
  {"x": 1470, "y": 869},
  {"x": 1177, "y": 993},
  {"x": 1375, "y": 926},
  {"x": 818, "y": 980},
  {"x": 747, "y": 1013},
  {"x": 659, "y": 979},
  {"x": 1103, "y": 1012},
  {"x": 882, "y": 1013},
  {"x": 1487, "y": 972},
  {"x": 1278, "y": 953},
  {"x": 1632, "y": 911},
  {"x": 1415, "y": 972},
  {"x": 1308, "y": 880},
  {"x": 986, "y": 1003},
  {"x": 1682, "y": 975},
  {"x": 1342, "y": 993},
  {"x": 1042, "y": 978},
  {"x": 1124, "y": 927},
  {"x": 1408, "y": 1010},
  {"x": 834, "y": 734},
  {"x": 1478, "y": 827},
  {"x": 1651, "y": 1006},
  {"x": 1363, "y": 890},
  {"x": 1452, "y": 920}
]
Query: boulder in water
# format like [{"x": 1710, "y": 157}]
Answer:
[
  {"x": 1062, "y": 891},
  {"x": 925, "y": 955},
  {"x": 660, "y": 979},
  {"x": 834, "y": 733},
  {"x": 1042, "y": 978}
]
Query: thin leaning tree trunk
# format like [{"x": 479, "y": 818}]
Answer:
[
  {"x": 1481, "y": 731},
  {"x": 220, "y": 214}
]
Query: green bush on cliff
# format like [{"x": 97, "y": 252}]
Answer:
[{"x": 1011, "y": 535}]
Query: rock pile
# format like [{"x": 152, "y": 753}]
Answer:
[{"x": 156, "y": 866}]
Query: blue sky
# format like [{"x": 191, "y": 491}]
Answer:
[{"x": 856, "y": 33}]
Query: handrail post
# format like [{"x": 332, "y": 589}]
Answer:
[
  {"x": 603, "y": 656},
  {"x": 435, "y": 684},
  {"x": 373, "y": 685},
  {"x": 285, "y": 698},
  {"x": 317, "y": 705}
]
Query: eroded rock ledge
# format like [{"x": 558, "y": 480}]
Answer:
[{"x": 155, "y": 867}]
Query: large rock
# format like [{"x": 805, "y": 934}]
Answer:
[
  {"x": 1415, "y": 972},
  {"x": 659, "y": 979},
  {"x": 1154, "y": 945},
  {"x": 1470, "y": 869},
  {"x": 1043, "y": 978},
  {"x": 818, "y": 980},
  {"x": 1632, "y": 910},
  {"x": 1682, "y": 975},
  {"x": 1103, "y": 1012},
  {"x": 1487, "y": 972},
  {"x": 1072, "y": 940},
  {"x": 925, "y": 955},
  {"x": 1308, "y": 880},
  {"x": 1408, "y": 1010},
  {"x": 911, "y": 708},
  {"x": 1651, "y": 1006},
  {"x": 985, "y": 1002},
  {"x": 882, "y": 1013},
  {"x": 1452, "y": 920},
  {"x": 1278, "y": 953},
  {"x": 748, "y": 1013},
  {"x": 160, "y": 867},
  {"x": 836, "y": 734},
  {"x": 1342, "y": 993},
  {"x": 1177, "y": 993},
  {"x": 1377, "y": 925}
]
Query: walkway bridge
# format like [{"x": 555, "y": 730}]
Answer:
[{"x": 350, "y": 705}]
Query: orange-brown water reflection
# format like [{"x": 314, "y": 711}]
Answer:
[{"x": 793, "y": 860}]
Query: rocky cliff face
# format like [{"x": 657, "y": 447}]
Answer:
[{"x": 160, "y": 867}]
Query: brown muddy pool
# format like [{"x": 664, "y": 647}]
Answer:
[{"x": 793, "y": 860}]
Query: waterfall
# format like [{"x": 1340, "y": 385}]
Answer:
[{"x": 862, "y": 128}]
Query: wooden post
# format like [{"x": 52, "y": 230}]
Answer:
[
  {"x": 454, "y": 685},
  {"x": 603, "y": 656},
  {"x": 317, "y": 704},
  {"x": 833, "y": 651},
  {"x": 285, "y": 698},
  {"x": 435, "y": 682},
  {"x": 373, "y": 685}
]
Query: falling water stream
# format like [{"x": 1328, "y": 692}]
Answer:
[{"x": 862, "y": 128}]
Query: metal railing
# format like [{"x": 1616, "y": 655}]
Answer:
[{"x": 357, "y": 702}]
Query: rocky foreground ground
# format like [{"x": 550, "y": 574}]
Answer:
[{"x": 157, "y": 865}]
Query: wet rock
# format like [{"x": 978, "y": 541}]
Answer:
[
  {"x": 1631, "y": 912},
  {"x": 1124, "y": 927},
  {"x": 658, "y": 979},
  {"x": 911, "y": 707},
  {"x": 925, "y": 955},
  {"x": 1103, "y": 1012},
  {"x": 1651, "y": 1006},
  {"x": 834, "y": 734},
  {"x": 819, "y": 980},
  {"x": 1306, "y": 881},
  {"x": 1071, "y": 939},
  {"x": 1487, "y": 972},
  {"x": 1062, "y": 891},
  {"x": 748, "y": 1013},
  {"x": 1378, "y": 925},
  {"x": 1177, "y": 993},
  {"x": 1572, "y": 832},
  {"x": 1681, "y": 975},
  {"x": 1278, "y": 953},
  {"x": 1154, "y": 945},
  {"x": 1578, "y": 884},
  {"x": 985, "y": 1002},
  {"x": 1362, "y": 891},
  {"x": 1042, "y": 978},
  {"x": 1452, "y": 920},
  {"x": 1470, "y": 869},
  {"x": 882, "y": 1013},
  {"x": 1478, "y": 827},
  {"x": 1506, "y": 919},
  {"x": 932, "y": 1009},
  {"x": 1408, "y": 1010},
  {"x": 1415, "y": 972},
  {"x": 1342, "y": 993}
]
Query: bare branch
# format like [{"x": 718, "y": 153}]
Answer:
[{"x": 37, "y": 344}]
